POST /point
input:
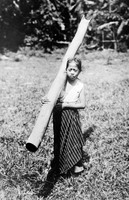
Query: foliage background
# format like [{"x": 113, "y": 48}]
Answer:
[{"x": 43, "y": 23}]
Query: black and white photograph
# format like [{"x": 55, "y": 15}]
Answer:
[{"x": 64, "y": 100}]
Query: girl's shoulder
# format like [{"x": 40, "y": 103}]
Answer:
[
  {"x": 79, "y": 82},
  {"x": 79, "y": 85}
]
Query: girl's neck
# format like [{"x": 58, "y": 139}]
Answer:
[{"x": 72, "y": 82}]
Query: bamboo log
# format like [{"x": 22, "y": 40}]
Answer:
[
  {"x": 120, "y": 28},
  {"x": 40, "y": 127}
]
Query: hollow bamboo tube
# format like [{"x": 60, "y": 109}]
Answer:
[{"x": 42, "y": 121}]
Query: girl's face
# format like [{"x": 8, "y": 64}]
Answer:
[{"x": 72, "y": 71}]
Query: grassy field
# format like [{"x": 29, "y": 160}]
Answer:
[{"x": 24, "y": 80}]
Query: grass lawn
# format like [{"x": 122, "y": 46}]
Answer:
[{"x": 105, "y": 124}]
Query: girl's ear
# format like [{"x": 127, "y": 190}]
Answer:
[{"x": 79, "y": 73}]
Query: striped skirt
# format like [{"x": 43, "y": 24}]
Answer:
[{"x": 68, "y": 139}]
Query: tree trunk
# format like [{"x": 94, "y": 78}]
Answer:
[
  {"x": 110, "y": 9},
  {"x": 40, "y": 127}
]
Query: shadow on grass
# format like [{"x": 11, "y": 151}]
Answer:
[
  {"x": 39, "y": 187},
  {"x": 87, "y": 133},
  {"x": 48, "y": 185}
]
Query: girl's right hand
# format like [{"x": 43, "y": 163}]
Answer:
[{"x": 45, "y": 100}]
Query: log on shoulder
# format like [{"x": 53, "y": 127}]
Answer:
[{"x": 42, "y": 121}]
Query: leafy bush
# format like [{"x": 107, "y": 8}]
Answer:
[{"x": 42, "y": 23}]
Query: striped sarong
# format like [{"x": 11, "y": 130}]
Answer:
[{"x": 68, "y": 139}]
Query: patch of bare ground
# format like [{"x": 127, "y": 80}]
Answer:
[{"x": 24, "y": 79}]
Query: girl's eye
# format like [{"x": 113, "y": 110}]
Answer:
[{"x": 73, "y": 70}]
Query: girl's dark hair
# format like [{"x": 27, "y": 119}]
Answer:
[{"x": 77, "y": 61}]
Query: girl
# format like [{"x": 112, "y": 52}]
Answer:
[{"x": 68, "y": 138}]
